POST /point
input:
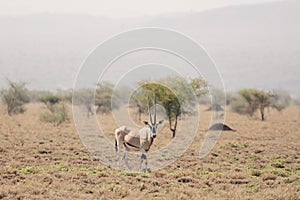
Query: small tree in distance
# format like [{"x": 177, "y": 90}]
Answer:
[
  {"x": 15, "y": 97},
  {"x": 252, "y": 100},
  {"x": 58, "y": 113},
  {"x": 50, "y": 100},
  {"x": 103, "y": 98}
]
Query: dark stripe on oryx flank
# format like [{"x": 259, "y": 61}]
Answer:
[{"x": 126, "y": 143}]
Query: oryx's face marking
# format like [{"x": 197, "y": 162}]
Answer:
[
  {"x": 153, "y": 127},
  {"x": 153, "y": 124}
]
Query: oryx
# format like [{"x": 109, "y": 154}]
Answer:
[{"x": 137, "y": 140}]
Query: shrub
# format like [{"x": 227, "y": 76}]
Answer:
[
  {"x": 103, "y": 98},
  {"x": 50, "y": 100},
  {"x": 57, "y": 116},
  {"x": 15, "y": 97},
  {"x": 58, "y": 113}
]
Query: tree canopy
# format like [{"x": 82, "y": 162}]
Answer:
[{"x": 177, "y": 95}]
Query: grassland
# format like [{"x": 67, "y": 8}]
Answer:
[{"x": 259, "y": 161}]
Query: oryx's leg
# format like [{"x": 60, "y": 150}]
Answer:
[
  {"x": 141, "y": 162},
  {"x": 126, "y": 159},
  {"x": 119, "y": 158},
  {"x": 143, "y": 158},
  {"x": 146, "y": 162}
]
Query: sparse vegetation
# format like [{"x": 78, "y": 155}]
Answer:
[
  {"x": 57, "y": 116},
  {"x": 103, "y": 98},
  {"x": 50, "y": 100},
  {"x": 15, "y": 97},
  {"x": 58, "y": 113},
  {"x": 51, "y": 161},
  {"x": 278, "y": 163},
  {"x": 256, "y": 172},
  {"x": 235, "y": 146}
]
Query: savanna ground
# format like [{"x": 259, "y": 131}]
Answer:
[{"x": 261, "y": 160}]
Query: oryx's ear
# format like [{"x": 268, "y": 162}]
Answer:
[
  {"x": 161, "y": 121},
  {"x": 145, "y": 122}
]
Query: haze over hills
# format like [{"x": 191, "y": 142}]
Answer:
[{"x": 253, "y": 45}]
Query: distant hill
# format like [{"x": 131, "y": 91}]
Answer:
[{"x": 253, "y": 45}]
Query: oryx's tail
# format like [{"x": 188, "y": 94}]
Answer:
[{"x": 116, "y": 145}]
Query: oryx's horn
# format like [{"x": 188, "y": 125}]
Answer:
[{"x": 149, "y": 111}]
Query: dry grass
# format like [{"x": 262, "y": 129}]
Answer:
[{"x": 259, "y": 161}]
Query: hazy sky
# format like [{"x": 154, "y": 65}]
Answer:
[{"x": 113, "y": 8}]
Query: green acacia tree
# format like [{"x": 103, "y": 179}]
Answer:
[
  {"x": 167, "y": 98},
  {"x": 175, "y": 94}
]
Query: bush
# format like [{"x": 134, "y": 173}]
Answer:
[
  {"x": 57, "y": 116},
  {"x": 239, "y": 105},
  {"x": 103, "y": 98},
  {"x": 280, "y": 99},
  {"x": 49, "y": 100},
  {"x": 15, "y": 97},
  {"x": 58, "y": 113}
]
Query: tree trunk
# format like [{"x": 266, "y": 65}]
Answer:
[
  {"x": 170, "y": 124},
  {"x": 175, "y": 126},
  {"x": 262, "y": 113},
  {"x": 9, "y": 111},
  {"x": 173, "y": 132},
  {"x": 140, "y": 113}
]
